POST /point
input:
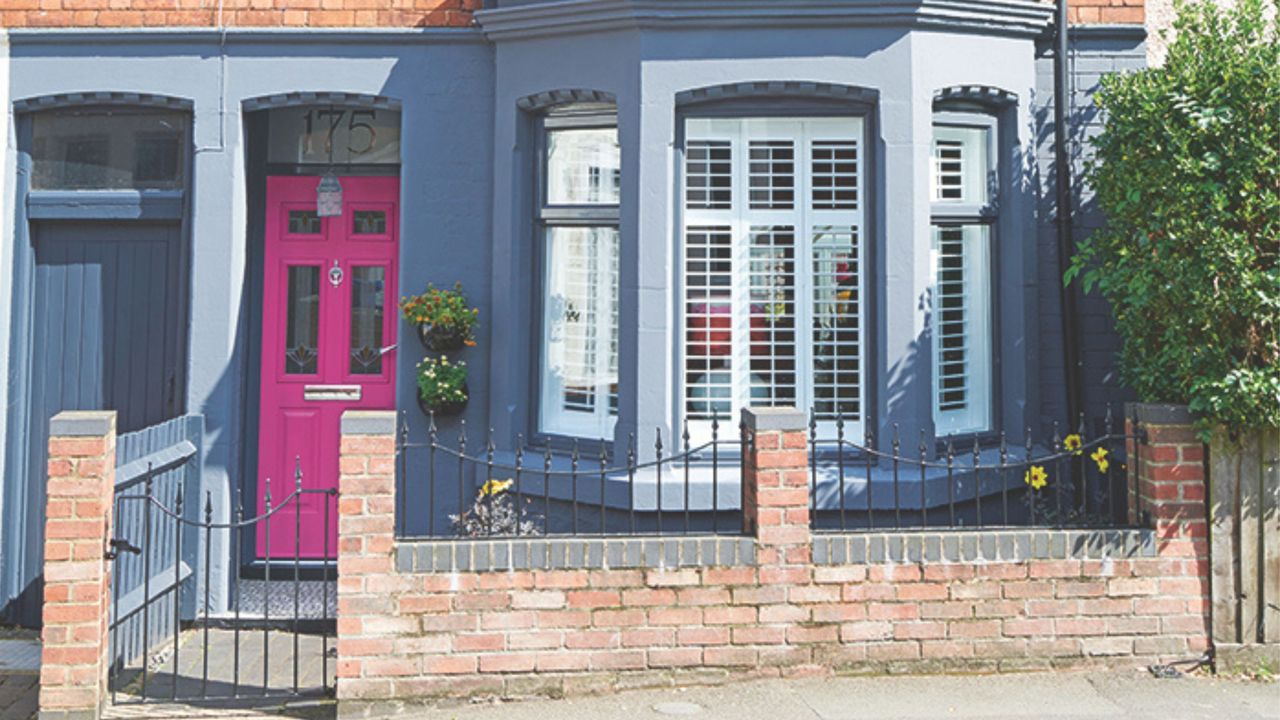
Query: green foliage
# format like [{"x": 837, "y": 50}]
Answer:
[
  {"x": 441, "y": 382},
  {"x": 1188, "y": 173}
]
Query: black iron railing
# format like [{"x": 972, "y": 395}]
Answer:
[
  {"x": 446, "y": 490},
  {"x": 1072, "y": 480},
  {"x": 218, "y": 670}
]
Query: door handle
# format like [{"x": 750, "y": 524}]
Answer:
[{"x": 388, "y": 349}]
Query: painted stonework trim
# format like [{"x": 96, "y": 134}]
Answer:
[
  {"x": 271, "y": 37},
  {"x": 553, "y": 98},
  {"x": 775, "y": 89},
  {"x": 300, "y": 99},
  {"x": 82, "y": 423},
  {"x": 978, "y": 94},
  {"x": 993, "y": 17},
  {"x": 62, "y": 100}
]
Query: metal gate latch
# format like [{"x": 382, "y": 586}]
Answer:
[{"x": 117, "y": 545}]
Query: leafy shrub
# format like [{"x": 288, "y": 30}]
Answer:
[{"x": 1188, "y": 173}]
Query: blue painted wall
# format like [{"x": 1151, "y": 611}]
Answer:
[{"x": 467, "y": 179}]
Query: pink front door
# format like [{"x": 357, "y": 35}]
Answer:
[{"x": 328, "y": 336}]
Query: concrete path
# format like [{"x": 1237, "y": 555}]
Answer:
[{"x": 1065, "y": 696}]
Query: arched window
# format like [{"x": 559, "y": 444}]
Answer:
[{"x": 964, "y": 195}]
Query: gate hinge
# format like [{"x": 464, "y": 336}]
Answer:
[{"x": 117, "y": 545}]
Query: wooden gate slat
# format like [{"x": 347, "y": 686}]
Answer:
[
  {"x": 1249, "y": 475},
  {"x": 1222, "y": 505},
  {"x": 1270, "y": 585}
]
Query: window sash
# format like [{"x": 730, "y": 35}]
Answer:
[
  {"x": 801, "y": 315},
  {"x": 579, "y": 388}
]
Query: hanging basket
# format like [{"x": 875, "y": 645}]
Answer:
[
  {"x": 446, "y": 409},
  {"x": 441, "y": 338}
]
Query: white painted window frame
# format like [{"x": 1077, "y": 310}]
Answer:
[
  {"x": 552, "y": 418},
  {"x": 975, "y": 214},
  {"x": 804, "y": 218}
]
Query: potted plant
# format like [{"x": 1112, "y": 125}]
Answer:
[
  {"x": 445, "y": 322},
  {"x": 442, "y": 386}
]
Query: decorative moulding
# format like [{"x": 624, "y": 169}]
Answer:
[
  {"x": 80, "y": 99},
  {"x": 298, "y": 99},
  {"x": 995, "y": 17}
]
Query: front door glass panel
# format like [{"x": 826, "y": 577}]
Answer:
[
  {"x": 302, "y": 329},
  {"x": 368, "y": 295}
]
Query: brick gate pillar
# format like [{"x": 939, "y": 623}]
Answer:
[
  {"x": 366, "y": 546},
  {"x": 1166, "y": 472},
  {"x": 77, "y": 574},
  {"x": 775, "y": 493}
]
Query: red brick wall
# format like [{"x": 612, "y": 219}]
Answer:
[
  {"x": 341, "y": 13},
  {"x": 237, "y": 13},
  {"x": 77, "y": 577},
  {"x": 406, "y": 634},
  {"x": 1107, "y": 12}
]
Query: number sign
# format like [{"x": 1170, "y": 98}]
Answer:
[{"x": 337, "y": 136}]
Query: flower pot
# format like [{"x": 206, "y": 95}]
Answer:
[
  {"x": 441, "y": 338},
  {"x": 446, "y": 409}
]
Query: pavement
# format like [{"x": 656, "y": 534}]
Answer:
[
  {"x": 1064, "y": 696},
  {"x": 1060, "y": 696}
]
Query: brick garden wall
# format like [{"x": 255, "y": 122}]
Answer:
[{"x": 564, "y": 616}]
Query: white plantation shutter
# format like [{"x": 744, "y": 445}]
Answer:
[
  {"x": 961, "y": 257},
  {"x": 959, "y": 165},
  {"x": 961, "y": 329},
  {"x": 773, "y": 275}
]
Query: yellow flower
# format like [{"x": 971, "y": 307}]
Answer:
[
  {"x": 1100, "y": 456},
  {"x": 1073, "y": 443},
  {"x": 494, "y": 487},
  {"x": 1036, "y": 477}
]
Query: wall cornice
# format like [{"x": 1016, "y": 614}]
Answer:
[
  {"x": 242, "y": 36},
  {"x": 1020, "y": 18}
]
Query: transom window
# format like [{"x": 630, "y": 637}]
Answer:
[
  {"x": 108, "y": 148},
  {"x": 773, "y": 267},
  {"x": 961, "y": 320},
  {"x": 579, "y": 228}
]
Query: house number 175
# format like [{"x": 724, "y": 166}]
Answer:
[{"x": 354, "y": 128}]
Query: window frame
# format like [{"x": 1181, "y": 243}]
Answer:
[
  {"x": 580, "y": 116},
  {"x": 986, "y": 216},
  {"x": 793, "y": 111}
]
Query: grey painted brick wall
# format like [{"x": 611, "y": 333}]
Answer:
[{"x": 1096, "y": 51}]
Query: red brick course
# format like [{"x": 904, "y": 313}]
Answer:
[
  {"x": 77, "y": 576},
  {"x": 237, "y": 13},
  {"x": 345, "y": 13},
  {"x": 589, "y": 630}
]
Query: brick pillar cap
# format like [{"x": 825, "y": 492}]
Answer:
[
  {"x": 369, "y": 422},
  {"x": 785, "y": 419},
  {"x": 1159, "y": 413},
  {"x": 83, "y": 423}
]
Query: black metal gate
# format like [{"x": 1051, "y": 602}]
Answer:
[{"x": 242, "y": 638}]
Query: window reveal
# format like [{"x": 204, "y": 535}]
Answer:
[{"x": 773, "y": 306}]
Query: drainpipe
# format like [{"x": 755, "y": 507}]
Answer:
[{"x": 1066, "y": 246}]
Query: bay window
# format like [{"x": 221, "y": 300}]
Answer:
[
  {"x": 773, "y": 266},
  {"x": 578, "y": 216},
  {"x": 963, "y": 211}
]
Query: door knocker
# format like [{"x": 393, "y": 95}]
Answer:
[{"x": 335, "y": 274}]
